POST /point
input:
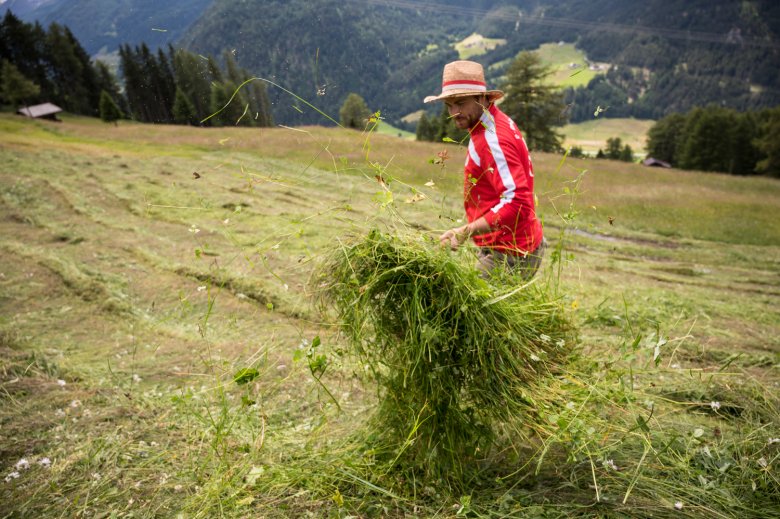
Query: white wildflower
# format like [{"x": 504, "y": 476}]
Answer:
[
  {"x": 44, "y": 462},
  {"x": 193, "y": 229},
  {"x": 12, "y": 475},
  {"x": 561, "y": 343},
  {"x": 136, "y": 378},
  {"x": 706, "y": 451},
  {"x": 201, "y": 288},
  {"x": 678, "y": 505},
  {"x": 535, "y": 358},
  {"x": 762, "y": 461},
  {"x": 61, "y": 382},
  {"x": 59, "y": 413},
  {"x": 226, "y": 221},
  {"x": 96, "y": 476},
  {"x": 649, "y": 404},
  {"x": 22, "y": 464},
  {"x": 675, "y": 366},
  {"x": 154, "y": 444},
  {"x": 164, "y": 478},
  {"x": 610, "y": 464},
  {"x": 178, "y": 488},
  {"x": 75, "y": 403},
  {"x": 715, "y": 405},
  {"x": 544, "y": 338}
]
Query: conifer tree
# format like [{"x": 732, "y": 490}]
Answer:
[
  {"x": 664, "y": 136},
  {"x": 627, "y": 154},
  {"x": 109, "y": 111},
  {"x": 183, "y": 109},
  {"x": 535, "y": 105},
  {"x": 424, "y": 130},
  {"x": 354, "y": 112},
  {"x": 65, "y": 71},
  {"x": 614, "y": 148},
  {"x": 769, "y": 144},
  {"x": 193, "y": 78}
]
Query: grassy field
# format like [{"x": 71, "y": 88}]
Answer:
[
  {"x": 560, "y": 59},
  {"x": 144, "y": 267},
  {"x": 476, "y": 44},
  {"x": 592, "y": 135}
]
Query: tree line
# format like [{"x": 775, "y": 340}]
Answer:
[
  {"x": 719, "y": 139},
  {"x": 179, "y": 87},
  {"x": 50, "y": 65},
  {"x": 176, "y": 87}
]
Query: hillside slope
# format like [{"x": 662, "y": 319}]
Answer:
[
  {"x": 104, "y": 25},
  {"x": 142, "y": 267},
  {"x": 670, "y": 56}
]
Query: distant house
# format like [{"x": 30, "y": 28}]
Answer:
[
  {"x": 43, "y": 111},
  {"x": 655, "y": 163}
]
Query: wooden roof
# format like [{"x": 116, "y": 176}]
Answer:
[{"x": 41, "y": 110}]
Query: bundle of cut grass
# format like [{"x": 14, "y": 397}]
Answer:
[{"x": 452, "y": 356}]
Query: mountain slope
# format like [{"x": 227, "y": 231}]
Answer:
[
  {"x": 322, "y": 51},
  {"x": 103, "y": 25},
  {"x": 670, "y": 55}
]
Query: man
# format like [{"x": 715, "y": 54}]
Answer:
[{"x": 499, "y": 177}]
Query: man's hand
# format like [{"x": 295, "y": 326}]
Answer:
[{"x": 454, "y": 237}]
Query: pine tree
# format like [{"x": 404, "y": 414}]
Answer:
[
  {"x": 109, "y": 111},
  {"x": 769, "y": 144},
  {"x": 664, "y": 137},
  {"x": 232, "y": 109},
  {"x": 65, "y": 71},
  {"x": 536, "y": 106},
  {"x": 135, "y": 88},
  {"x": 614, "y": 148},
  {"x": 708, "y": 137},
  {"x": 193, "y": 78},
  {"x": 354, "y": 112},
  {"x": 627, "y": 154},
  {"x": 107, "y": 82},
  {"x": 183, "y": 109},
  {"x": 424, "y": 130}
]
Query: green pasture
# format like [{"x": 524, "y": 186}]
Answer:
[
  {"x": 476, "y": 44},
  {"x": 161, "y": 354},
  {"x": 592, "y": 135},
  {"x": 568, "y": 65}
]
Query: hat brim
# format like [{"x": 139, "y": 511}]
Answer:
[{"x": 493, "y": 95}]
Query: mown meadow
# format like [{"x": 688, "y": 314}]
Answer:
[{"x": 162, "y": 353}]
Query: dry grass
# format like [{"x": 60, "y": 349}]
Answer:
[{"x": 89, "y": 211}]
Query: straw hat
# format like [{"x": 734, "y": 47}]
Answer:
[{"x": 464, "y": 78}]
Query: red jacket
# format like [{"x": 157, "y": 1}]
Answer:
[{"x": 499, "y": 185}]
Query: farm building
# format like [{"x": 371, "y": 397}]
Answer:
[
  {"x": 42, "y": 111},
  {"x": 655, "y": 163}
]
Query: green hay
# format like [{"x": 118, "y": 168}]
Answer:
[{"x": 454, "y": 359}]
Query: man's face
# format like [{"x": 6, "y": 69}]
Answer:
[{"x": 466, "y": 111}]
